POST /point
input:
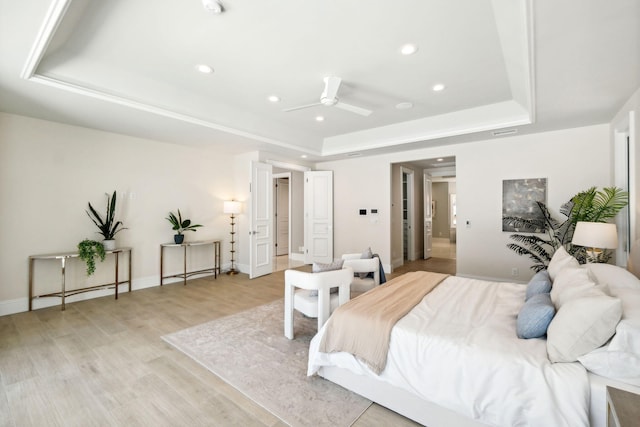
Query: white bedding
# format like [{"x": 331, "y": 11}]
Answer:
[{"x": 458, "y": 348}]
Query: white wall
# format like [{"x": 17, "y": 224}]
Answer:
[
  {"x": 571, "y": 160},
  {"x": 48, "y": 173}
]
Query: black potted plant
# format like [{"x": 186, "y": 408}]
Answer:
[
  {"x": 88, "y": 251},
  {"x": 108, "y": 226},
  {"x": 180, "y": 225}
]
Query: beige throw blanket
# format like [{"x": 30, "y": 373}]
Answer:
[{"x": 363, "y": 325}]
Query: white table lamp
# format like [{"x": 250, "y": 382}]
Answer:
[{"x": 595, "y": 236}]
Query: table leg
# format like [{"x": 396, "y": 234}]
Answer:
[
  {"x": 161, "y": 260},
  {"x": 31, "y": 260},
  {"x": 117, "y": 284},
  {"x": 63, "y": 262},
  {"x": 218, "y": 260},
  {"x": 215, "y": 257},
  {"x": 130, "y": 280},
  {"x": 185, "y": 265}
]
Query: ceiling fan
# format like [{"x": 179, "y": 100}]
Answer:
[{"x": 329, "y": 98}]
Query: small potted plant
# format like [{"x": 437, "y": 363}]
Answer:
[
  {"x": 88, "y": 251},
  {"x": 180, "y": 225},
  {"x": 108, "y": 226}
]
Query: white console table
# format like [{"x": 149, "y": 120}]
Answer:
[{"x": 64, "y": 292}]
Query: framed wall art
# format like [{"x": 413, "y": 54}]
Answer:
[{"x": 519, "y": 197}]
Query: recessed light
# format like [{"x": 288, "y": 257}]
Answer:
[
  {"x": 203, "y": 68},
  {"x": 319, "y": 119},
  {"x": 440, "y": 159},
  {"x": 213, "y": 6},
  {"x": 438, "y": 87},
  {"x": 273, "y": 98},
  {"x": 304, "y": 156},
  {"x": 404, "y": 105},
  {"x": 409, "y": 49}
]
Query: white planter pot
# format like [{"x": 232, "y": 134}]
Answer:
[{"x": 109, "y": 245}]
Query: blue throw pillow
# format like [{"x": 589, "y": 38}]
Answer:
[
  {"x": 539, "y": 284},
  {"x": 535, "y": 316}
]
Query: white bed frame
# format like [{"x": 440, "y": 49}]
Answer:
[{"x": 432, "y": 415}]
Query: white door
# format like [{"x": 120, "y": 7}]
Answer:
[
  {"x": 282, "y": 216},
  {"x": 318, "y": 216},
  {"x": 428, "y": 216},
  {"x": 261, "y": 224}
]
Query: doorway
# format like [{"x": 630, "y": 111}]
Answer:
[
  {"x": 281, "y": 215},
  {"x": 286, "y": 221},
  {"x": 408, "y": 250},
  {"x": 410, "y": 215}
]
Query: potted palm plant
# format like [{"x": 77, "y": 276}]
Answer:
[
  {"x": 180, "y": 226},
  {"x": 88, "y": 251},
  {"x": 108, "y": 225}
]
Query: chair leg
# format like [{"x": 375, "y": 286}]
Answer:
[
  {"x": 324, "y": 306},
  {"x": 288, "y": 310}
]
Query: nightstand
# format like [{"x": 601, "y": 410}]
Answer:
[{"x": 623, "y": 408}]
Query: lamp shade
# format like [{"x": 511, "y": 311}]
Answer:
[
  {"x": 231, "y": 207},
  {"x": 595, "y": 235}
]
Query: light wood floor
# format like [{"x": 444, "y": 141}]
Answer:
[{"x": 102, "y": 362}]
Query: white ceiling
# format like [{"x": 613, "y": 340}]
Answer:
[{"x": 128, "y": 66}]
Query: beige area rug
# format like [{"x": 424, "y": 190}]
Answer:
[{"x": 249, "y": 351}]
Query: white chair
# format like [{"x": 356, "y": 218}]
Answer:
[
  {"x": 297, "y": 288},
  {"x": 364, "y": 266}
]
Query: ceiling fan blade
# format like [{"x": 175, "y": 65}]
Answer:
[
  {"x": 301, "y": 107},
  {"x": 354, "y": 109},
  {"x": 331, "y": 86}
]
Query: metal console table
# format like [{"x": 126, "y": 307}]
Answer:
[
  {"x": 216, "y": 259},
  {"x": 63, "y": 257}
]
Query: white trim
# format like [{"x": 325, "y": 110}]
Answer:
[
  {"x": 52, "y": 20},
  {"x": 285, "y": 165}
]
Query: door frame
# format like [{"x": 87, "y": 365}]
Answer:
[{"x": 625, "y": 178}]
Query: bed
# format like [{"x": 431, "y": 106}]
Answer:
[{"x": 455, "y": 360}]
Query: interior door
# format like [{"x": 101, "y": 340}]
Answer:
[
  {"x": 282, "y": 216},
  {"x": 318, "y": 215},
  {"x": 428, "y": 216},
  {"x": 261, "y": 224}
]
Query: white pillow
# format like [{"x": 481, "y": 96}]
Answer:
[
  {"x": 620, "y": 359},
  {"x": 581, "y": 325},
  {"x": 613, "y": 276},
  {"x": 560, "y": 260},
  {"x": 569, "y": 284}
]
